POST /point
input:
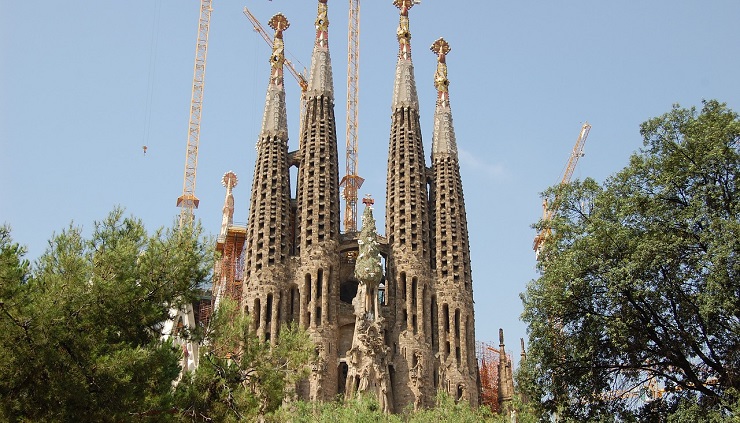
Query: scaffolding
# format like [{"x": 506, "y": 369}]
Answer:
[
  {"x": 227, "y": 272},
  {"x": 488, "y": 364}
]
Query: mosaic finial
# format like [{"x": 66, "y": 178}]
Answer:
[
  {"x": 229, "y": 180},
  {"x": 441, "y": 48},
  {"x": 404, "y": 33},
  {"x": 368, "y": 200},
  {"x": 279, "y": 23},
  {"x": 404, "y": 5},
  {"x": 322, "y": 24}
]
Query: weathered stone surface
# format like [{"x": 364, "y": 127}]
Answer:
[
  {"x": 367, "y": 360},
  {"x": 391, "y": 317}
]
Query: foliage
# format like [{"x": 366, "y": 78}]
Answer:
[
  {"x": 690, "y": 410},
  {"x": 240, "y": 376},
  {"x": 640, "y": 282},
  {"x": 446, "y": 410},
  {"x": 79, "y": 332},
  {"x": 365, "y": 409}
]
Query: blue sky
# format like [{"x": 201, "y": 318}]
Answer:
[{"x": 84, "y": 84}]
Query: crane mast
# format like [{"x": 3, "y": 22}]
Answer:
[
  {"x": 352, "y": 182},
  {"x": 188, "y": 202},
  {"x": 548, "y": 212},
  {"x": 576, "y": 154}
]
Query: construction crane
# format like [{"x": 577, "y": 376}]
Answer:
[
  {"x": 548, "y": 212},
  {"x": 298, "y": 76},
  {"x": 188, "y": 202},
  {"x": 352, "y": 182}
]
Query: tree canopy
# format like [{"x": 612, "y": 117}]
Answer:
[
  {"x": 366, "y": 408},
  {"x": 80, "y": 338},
  {"x": 639, "y": 292},
  {"x": 240, "y": 377},
  {"x": 80, "y": 328}
]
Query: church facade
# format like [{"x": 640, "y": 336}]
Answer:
[{"x": 390, "y": 315}]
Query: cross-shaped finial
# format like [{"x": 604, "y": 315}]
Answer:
[
  {"x": 440, "y": 47},
  {"x": 404, "y": 4},
  {"x": 279, "y": 23}
]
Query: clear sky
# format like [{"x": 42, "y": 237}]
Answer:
[{"x": 85, "y": 84}]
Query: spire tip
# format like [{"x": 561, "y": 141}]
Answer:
[
  {"x": 322, "y": 24},
  {"x": 229, "y": 180},
  {"x": 404, "y": 33},
  {"x": 279, "y": 23},
  {"x": 368, "y": 200},
  {"x": 405, "y": 5},
  {"x": 440, "y": 47}
]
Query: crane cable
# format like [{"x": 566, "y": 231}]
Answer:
[{"x": 151, "y": 72}]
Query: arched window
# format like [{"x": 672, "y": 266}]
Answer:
[{"x": 257, "y": 310}]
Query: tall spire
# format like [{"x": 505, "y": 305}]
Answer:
[
  {"x": 407, "y": 218},
  {"x": 318, "y": 172},
  {"x": 450, "y": 228},
  {"x": 453, "y": 266},
  {"x": 269, "y": 238},
  {"x": 274, "y": 120},
  {"x": 404, "y": 90},
  {"x": 229, "y": 181},
  {"x": 407, "y": 228},
  {"x": 316, "y": 274},
  {"x": 443, "y": 137},
  {"x": 320, "y": 81}
]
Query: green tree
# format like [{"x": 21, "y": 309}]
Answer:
[
  {"x": 690, "y": 410},
  {"x": 640, "y": 282},
  {"x": 366, "y": 409},
  {"x": 241, "y": 377},
  {"x": 80, "y": 329}
]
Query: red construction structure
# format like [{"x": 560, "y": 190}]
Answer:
[{"x": 488, "y": 364}]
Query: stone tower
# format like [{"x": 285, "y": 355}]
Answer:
[
  {"x": 454, "y": 335},
  {"x": 316, "y": 277},
  {"x": 269, "y": 239},
  {"x": 410, "y": 283},
  {"x": 505, "y": 378},
  {"x": 390, "y": 316}
]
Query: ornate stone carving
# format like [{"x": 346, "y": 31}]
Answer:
[{"x": 367, "y": 360}]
